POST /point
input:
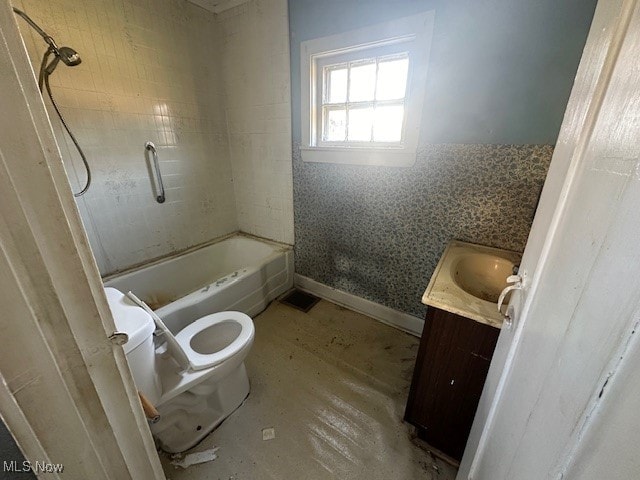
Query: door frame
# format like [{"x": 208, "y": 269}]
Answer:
[{"x": 66, "y": 392}]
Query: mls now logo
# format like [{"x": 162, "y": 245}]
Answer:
[{"x": 37, "y": 467}]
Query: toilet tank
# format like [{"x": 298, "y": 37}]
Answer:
[{"x": 139, "y": 349}]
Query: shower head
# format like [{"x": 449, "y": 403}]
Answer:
[{"x": 67, "y": 54}]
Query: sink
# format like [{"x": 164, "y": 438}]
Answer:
[
  {"x": 482, "y": 275},
  {"x": 469, "y": 279}
]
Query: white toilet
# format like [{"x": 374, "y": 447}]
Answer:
[{"x": 196, "y": 378}]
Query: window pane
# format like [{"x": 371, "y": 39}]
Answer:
[
  {"x": 387, "y": 123},
  {"x": 392, "y": 79},
  {"x": 363, "y": 82},
  {"x": 335, "y": 125},
  {"x": 360, "y": 122},
  {"x": 336, "y": 85}
]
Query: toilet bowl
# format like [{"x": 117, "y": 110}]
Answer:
[
  {"x": 195, "y": 378},
  {"x": 213, "y": 339}
]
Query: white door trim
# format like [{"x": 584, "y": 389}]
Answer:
[{"x": 66, "y": 394}]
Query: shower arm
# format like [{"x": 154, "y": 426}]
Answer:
[{"x": 47, "y": 38}]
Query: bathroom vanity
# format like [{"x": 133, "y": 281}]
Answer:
[{"x": 461, "y": 330}]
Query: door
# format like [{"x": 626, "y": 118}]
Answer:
[
  {"x": 575, "y": 313},
  {"x": 66, "y": 393}
]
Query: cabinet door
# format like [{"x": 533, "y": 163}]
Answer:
[{"x": 452, "y": 364}]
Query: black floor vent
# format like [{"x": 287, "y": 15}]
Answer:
[{"x": 300, "y": 300}]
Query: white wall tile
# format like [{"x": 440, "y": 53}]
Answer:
[
  {"x": 255, "y": 61},
  {"x": 211, "y": 91},
  {"x": 142, "y": 77}
]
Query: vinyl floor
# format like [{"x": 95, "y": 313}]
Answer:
[{"x": 332, "y": 384}]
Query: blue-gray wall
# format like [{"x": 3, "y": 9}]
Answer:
[
  {"x": 500, "y": 75},
  {"x": 500, "y": 71}
]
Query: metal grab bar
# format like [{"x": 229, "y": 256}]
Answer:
[{"x": 149, "y": 146}]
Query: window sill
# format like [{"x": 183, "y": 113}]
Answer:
[{"x": 387, "y": 157}]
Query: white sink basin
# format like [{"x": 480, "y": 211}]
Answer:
[
  {"x": 469, "y": 279},
  {"x": 482, "y": 275}
]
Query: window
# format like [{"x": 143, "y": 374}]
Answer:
[
  {"x": 362, "y": 93},
  {"x": 363, "y": 101}
]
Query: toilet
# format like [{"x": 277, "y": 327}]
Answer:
[{"x": 195, "y": 378}]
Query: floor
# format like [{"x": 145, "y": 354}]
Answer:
[{"x": 332, "y": 384}]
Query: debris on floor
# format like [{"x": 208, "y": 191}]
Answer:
[
  {"x": 196, "y": 458},
  {"x": 268, "y": 433}
]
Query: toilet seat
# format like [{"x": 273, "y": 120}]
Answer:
[
  {"x": 181, "y": 347},
  {"x": 200, "y": 360}
]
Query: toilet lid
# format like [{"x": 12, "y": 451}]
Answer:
[{"x": 214, "y": 338}]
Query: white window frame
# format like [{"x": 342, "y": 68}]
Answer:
[
  {"x": 326, "y": 64},
  {"x": 414, "y": 33}
]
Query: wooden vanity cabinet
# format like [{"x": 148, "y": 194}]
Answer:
[{"x": 452, "y": 365}]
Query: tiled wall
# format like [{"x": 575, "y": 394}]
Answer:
[
  {"x": 255, "y": 67},
  {"x": 148, "y": 72},
  {"x": 191, "y": 82}
]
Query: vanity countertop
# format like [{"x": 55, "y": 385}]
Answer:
[{"x": 445, "y": 290}]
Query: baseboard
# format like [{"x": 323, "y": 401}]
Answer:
[{"x": 403, "y": 321}]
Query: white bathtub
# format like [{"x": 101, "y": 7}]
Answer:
[{"x": 238, "y": 273}]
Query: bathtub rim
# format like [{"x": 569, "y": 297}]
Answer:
[{"x": 279, "y": 248}]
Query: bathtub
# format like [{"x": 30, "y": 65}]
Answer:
[{"x": 237, "y": 273}]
